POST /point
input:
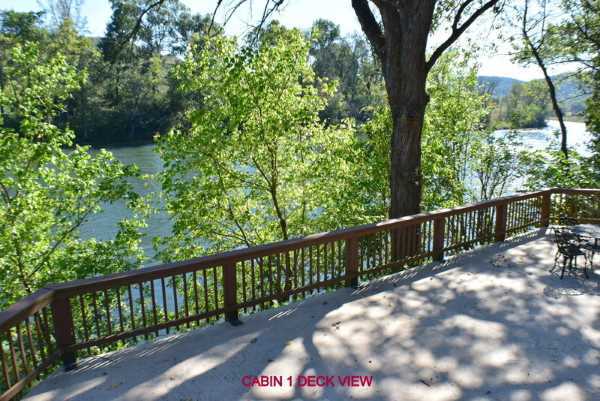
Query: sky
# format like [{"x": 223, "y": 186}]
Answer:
[{"x": 301, "y": 14}]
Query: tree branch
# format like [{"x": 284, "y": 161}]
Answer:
[
  {"x": 370, "y": 27},
  {"x": 459, "y": 30},
  {"x": 138, "y": 24}
]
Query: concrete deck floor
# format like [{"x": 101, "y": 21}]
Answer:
[{"x": 490, "y": 325}]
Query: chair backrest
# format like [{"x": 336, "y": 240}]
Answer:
[
  {"x": 563, "y": 238},
  {"x": 566, "y": 221}
]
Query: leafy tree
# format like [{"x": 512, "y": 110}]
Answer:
[
  {"x": 22, "y": 26},
  {"x": 525, "y": 106},
  {"x": 593, "y": 123},
  {"x": 498, "y": 163},
  {"x": 131, "y": 95},
  {"x": 549, "y": 168},
  {"x": 256, "y": 164},
  {"x": 454, "y": 125},
  {"x": 47, "y": 192},
  {"x": 80, "y": 52},
  {"x": 60, "y": 11},
  {"x": 166, "y": 28},
  {"x": 349, "y": 62},
  {"x": 17, "y": 28}
]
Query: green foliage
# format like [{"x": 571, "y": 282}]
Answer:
[
  {"x": 593, "y": 124},
  {"x": 23, "y": 27},
  {"x": 453, "y": 127},
  {"x": 549, "y": 168},
  {"x": 526, "y": 106},
  {"x": 256, "y": 163},
  {"x": 350, "y": 63},
  {"x": 47, "y": 192}
]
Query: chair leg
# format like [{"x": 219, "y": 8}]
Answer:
[
  {"x": 562, "y": 273},
  {"x": 556, "y": 257}
]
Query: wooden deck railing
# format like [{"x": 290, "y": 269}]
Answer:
[{"x": 93, "y": 315}]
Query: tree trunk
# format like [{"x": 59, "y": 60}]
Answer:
[
  {"x": 405, "y": 73},
  {"x": 552, "y": 92},
  {"x": 556, "y": 107},
  {"x": 405, "y": 177}
]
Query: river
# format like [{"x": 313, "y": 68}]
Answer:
[{"x": 103, "y": 226}]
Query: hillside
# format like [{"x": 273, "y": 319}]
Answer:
[
  {"x": 572, "y": 93},
  {"x": 498, "y": 87}
]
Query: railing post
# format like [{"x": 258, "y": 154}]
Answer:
[
  {"x": 230, "y": 291},
  {"x": 438, "y": 238},
  {"x": 352, "y": 262},
  {"x": 500, "y": 230},
  {"x": 545, "y": 218},
  {"x": 62, "y": 316}
]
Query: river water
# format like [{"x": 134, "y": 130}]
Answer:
[{"x": 103, "y": 226}]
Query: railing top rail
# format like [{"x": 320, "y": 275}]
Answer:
[
  {"x": 154, "y": 272},
  {"x": 584, "y": 191},
  {"x": 25, "y": 307}
]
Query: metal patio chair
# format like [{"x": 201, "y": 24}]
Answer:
[{"x": 569, "y": 247}]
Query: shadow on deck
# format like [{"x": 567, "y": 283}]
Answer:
[{"x": 492, "y": 324}]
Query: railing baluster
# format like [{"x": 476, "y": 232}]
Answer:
[
  {"x": 96, "y": 315},
  {"x": 215, "y": 288},
  {"x": 120, "y": 310},
  {"x": 154, "y": 312},
  {"x": 310, "y": 266},
  {"x": 205, "y": 286},
  {"x": 131, "y": 310},
  {"x": 185, "y": 300},
  {"x": 318, "y": 265},
  {"x": 108, "y": 314},
  {"x": 22, "y": 349},
  {"x": 13, "y": 356},
  {"x": 32, "y": 347},
  {"x": 164, "y": 301},
  {"x": 243, "y": 274},
  {"x": 303, "y": 271},
  {"x": 39, "y": 335},
  {"x": 86, "y": 333},
  {"x": 4, "y": 362},
  {"x": 143, "y": 308},
  {"x": 196, "y": 300},
  {"x": 175, "y": 300}
]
